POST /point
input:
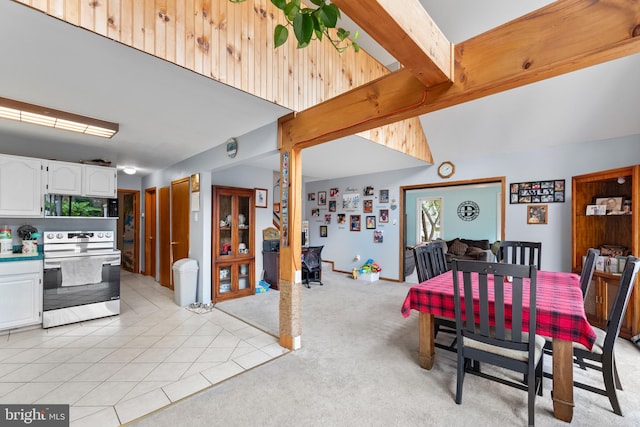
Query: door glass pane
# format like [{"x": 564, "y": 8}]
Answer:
[
  {"x": 243, "y": 276},
  {"x": 243, "y": 225},
  {"x": 224, "y": 213},
  {"x": 224, "y": 274}
]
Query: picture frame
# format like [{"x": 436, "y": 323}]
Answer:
[
  {"x": 315, "y": 212},
  {"x": 596, "y": 210},
  {"x": 354, "y": 221},
  {"x": 546, "y": 191},
  {"x": 261, "y": 197},
  {"x": 311, "y": 197},
  {"x": 276, "y": 208},
  {"x": 327, "y": 218},
  {"x": 323, "y": 231},
  {"x": 384, "y": 196},
  {"x": 342, "y": 218},
  {"x": 537, "y": 214},
  {"x": 368, "y": 190},
  {"x": 367, "y": 206},
  {"x": 332, "y": 205},
  {"x": 383, "y": 216},
  {"x": 378, "y": 236},
  {"x": 333, "y": 192},
  {"x": 322, "y": 198},
  {"x": 612, "y": 204},
  {"x": 351, "y": 202},
  {"x": 370, "y": 222}
]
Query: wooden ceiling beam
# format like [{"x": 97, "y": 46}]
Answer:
[
  {"x": 408, "y": 33},
  {"x": 565, "y": 36}
]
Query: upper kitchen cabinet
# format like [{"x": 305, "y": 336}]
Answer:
[
  {"x": 20, "y": 186},
  {"x": 64, "y": 178},
  {"x": 100, "y": 181}
]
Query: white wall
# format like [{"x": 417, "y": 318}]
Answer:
[{"x": 560, "y": 162}]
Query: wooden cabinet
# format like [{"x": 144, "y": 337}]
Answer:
[
  {"x": 232, "y": 247},
  {"x": 271, "y": 267},
  {"x": 593, "y": 231},
  {"x": 64, "y": 178},
  {"x": 20, "y": 187},
  {"x": 20, "y": 294}
]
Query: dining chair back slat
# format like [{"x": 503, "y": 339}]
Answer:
[{"x": 522, "y": 253}]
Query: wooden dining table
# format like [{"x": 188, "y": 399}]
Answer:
[{"x": 560, "y": 315}]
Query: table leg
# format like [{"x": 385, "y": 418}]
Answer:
[
  {"x": 563, "y": 380},
  {"x": 426, "y": 341}
]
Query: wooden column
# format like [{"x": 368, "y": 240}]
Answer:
[{"x": 290, "y": 282}]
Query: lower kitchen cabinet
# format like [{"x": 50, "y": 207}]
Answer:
[{"x": 20, "y": 294}]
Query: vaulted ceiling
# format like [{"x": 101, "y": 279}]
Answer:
[{"x": 51, "y": 63}]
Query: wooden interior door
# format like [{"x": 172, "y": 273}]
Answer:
[
  {"x": 128, "y": 229},
  {"x": 150, "y": 232},
  {"x": 164, "y": 238},
  {"x": 180, "y": 192}
]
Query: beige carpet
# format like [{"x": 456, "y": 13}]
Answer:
[{"x": 358, "y": 367}]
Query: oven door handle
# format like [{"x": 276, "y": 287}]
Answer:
[{"x": 56, "y": 263}]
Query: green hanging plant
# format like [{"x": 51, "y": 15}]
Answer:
[{"x": 309, "y": 23}]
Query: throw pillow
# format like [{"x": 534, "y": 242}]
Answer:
[
  {"x": 458, "y": 248},
  {"x": 474, "y": 252}
]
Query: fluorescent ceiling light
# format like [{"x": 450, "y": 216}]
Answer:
[
  {"x": 129, "y": 170},
  {"x": 43, "y": 116}
]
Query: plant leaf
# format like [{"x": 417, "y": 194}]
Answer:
[
  {"x": 316, "y": 2},
  {"x": 280, "y": 4},
  {"x": 303, "y": 29},
  {"x": 342, "y": 34},
  {"x": 291, "y": 11},
  {"x": 329, "y": 15},
  {"x": 280, "y": 35},
  {"x": 356, "y": 47}
]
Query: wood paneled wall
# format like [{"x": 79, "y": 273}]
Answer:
[{"x": 233, "y": 44}]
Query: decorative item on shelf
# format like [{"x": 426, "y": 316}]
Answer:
[
  {"x": 626, "y": 207},
  {"x": 241, "y": 220},
  {"x": 226, "y": 249},
  {"x": 242, "y": 248},
  {"x": 243, "y": 269},
  {"x": 224, "y": 273},
  {"x": 6, "y": 240},
  {"x": 596, "y": 210},
  {"x": 227, "y": 220},
  {"x": 613, "y": 205}
]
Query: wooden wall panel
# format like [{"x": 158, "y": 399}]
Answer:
[{"x": 233, "y": 44}]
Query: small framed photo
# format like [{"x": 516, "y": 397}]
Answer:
[
  {"x": 323, "y": 231},
  {"x": 371, "y": 222},
  {"x": 612, "y": 205},
  {"x": 596, "y": 210},
  {"x": 332, "y": 205},
  {"x": 342, "y": 219},
  {"x": 261, "y": 197},
  {"x": 276, "y": 208},
  {"x": 333, "y": 192},
  {"x": 622, "y": 262},
  {"x": 368, "y": 190},
  {"x": 311, "y": 197},
  {"x": 327, "y": 218},
  {"x": 537, "y": 214},
  {"x": 367, "y": 206},
  {"x": 315, "y": 212},
  {"x": 383, "y": 216},
  {"x": 377, "y": 236},
  {"x": 354, "y": 220},
  {"x": 322, "y": 198},
  {"x": 384, "y": 196}
]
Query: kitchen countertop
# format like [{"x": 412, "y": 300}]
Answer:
[{"x": 21, "y": 257}]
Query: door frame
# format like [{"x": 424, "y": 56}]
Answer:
[{"x": 136, "y": 225}]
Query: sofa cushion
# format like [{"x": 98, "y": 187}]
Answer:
[
  {"x": 474, "y": 252},
  {"x": 482, "y": 244},
  {"x": 458, "y": 247}
]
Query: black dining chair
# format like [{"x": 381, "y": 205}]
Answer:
[
  {"x": 312, "y": 265},
  {"x": 587, "y": 270},
  {"x": 523, "y": 253},
  {"x": 490, "y": 338},
  {"x": 602, "y": 353},
  {"x": 430, "y": 262}
]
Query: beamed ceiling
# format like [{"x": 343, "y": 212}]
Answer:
[{"x": 564, "y": 75}]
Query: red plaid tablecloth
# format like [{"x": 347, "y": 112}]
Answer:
[{"x": 559, "y": 306}]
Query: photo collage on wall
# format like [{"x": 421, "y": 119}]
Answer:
[
  {"x": 550, "y": 191},
  {"x": 351, "y": 208}
]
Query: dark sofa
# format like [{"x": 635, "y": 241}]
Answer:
[{"x": 477, "y": 250}]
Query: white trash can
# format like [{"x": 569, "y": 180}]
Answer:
[{"x": 185, "y": 275}]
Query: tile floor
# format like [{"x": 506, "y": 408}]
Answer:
[{"x": 116, "y": 369}]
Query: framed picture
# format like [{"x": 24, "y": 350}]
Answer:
[
  {"x": 351, "y": 202},
  {"x": 276, "y": 207},
  {"x": 367, "y": 206},
  {"x": 371, "y": 222},
  {"x": 322, "y": 198},
  {"x": 333, "y": 192},
  {"x": 342, "y": 219},
  {"x": 323, "y": 231},
  {"x": 311, "y": 197},
  {"x": 368, "y": 190},
  {"x": 549, "y": 191},
  {"x": 315, "y": 212},
  {"x": 384, "y": 196},
  {"x": 537, "y": 214},
  {"x": 327, "y": 218},
  {"x": 354, "y": 220},
  {"x": 383, "y": 215},
  {"x": 261, "y": 197},
  {"x": 377, "y": 236},
  {"x": 332, "y": 205},
  {"x": 613, "y": 205}
]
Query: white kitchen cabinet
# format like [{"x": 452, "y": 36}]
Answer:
[
  {"x": 20, "y": 294},
  {"x": 20, "y": 187},
  {"x": 100, "y": 181},
  {"x": 64, "y": 178}
]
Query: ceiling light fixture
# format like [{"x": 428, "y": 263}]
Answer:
[
  {"x": 43, "y": 116},
  {"x": 129, "y": 170},
  {"x": 621, "y": 180}
]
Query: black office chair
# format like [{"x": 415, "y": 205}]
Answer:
[
  {"x": 312, "y": 265},
  {"x": 603, "y": 352},
  {"x": 430, "y": 262},
  {"x": 522, "y": 253},
  {"x": 493, "y": 342}
]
